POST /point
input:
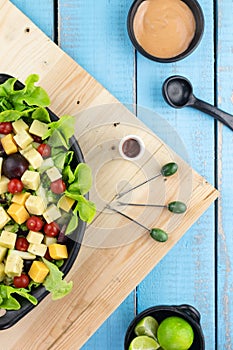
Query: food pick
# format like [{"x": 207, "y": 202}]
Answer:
[
  {"x": 176, "y": 207},
  {"x": 168, "y": 169}
]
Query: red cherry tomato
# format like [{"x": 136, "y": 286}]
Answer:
[
  {"x": 5, "y": 128},
  {"x": 34, "y": 223},
  {"x": 52, "y": 229},
  {"x": 21, "y": 281},
  {"x": 15, "y": 186},
  {"x": 58, "y": 186},
  {"x": 22, "y": 244},
  {"x": 44, "y": 149}
]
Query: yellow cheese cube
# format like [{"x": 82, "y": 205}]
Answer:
[
  {"x": 8, "y": 239},
  {"x": 58, "y": 251},
  {"x": 18, "y": 213},
  {"x": 23, "y": 139},
  {"x": 4, "y": 218},
  {"x": 4, "y": 184},
  {"x": 20, "y": 198},
  {"x": 38, "y": 271},
  {"x": 31, "y": 180},
  {"x": 65, "y": 203},
  {"x": 35, "y": 205},
  {"x": 19, "y": 125},
  {"x": 8, "y": 144}
]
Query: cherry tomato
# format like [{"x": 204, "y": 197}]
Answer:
[
  {"x": 34, "y": 223},
  {"x": 44, "y": 149},
  {"x": 5, "y": 128},
  {"x": 15, "y": 186},
  {"x": 22, "y": 244},
  {"x": 21, "y": 281},
  {"x": 58, "y": 186},
  {"x": 36, "y": 138},
  {"x": 52, "y": 229}
]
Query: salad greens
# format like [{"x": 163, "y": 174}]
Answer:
[{"x": 8, "y": 302}]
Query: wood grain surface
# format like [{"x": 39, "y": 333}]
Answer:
[{"x": 85, "y": 31}]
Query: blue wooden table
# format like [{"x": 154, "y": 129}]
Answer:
[{"x": 198, "y": 270}]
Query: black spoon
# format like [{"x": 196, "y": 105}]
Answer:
[{"x": 178, "y": 93}]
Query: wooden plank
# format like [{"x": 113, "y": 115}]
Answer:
[
  {"x": 224, "y": 37},
  {"x": 186, "y": 274},
  {"x": 102, "y": 277}
]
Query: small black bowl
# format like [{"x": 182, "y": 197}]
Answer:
[
  {"x": 187, "y": 312},
  {"x": 199, "y": 18},
  {"x": 73, "y": 243}
]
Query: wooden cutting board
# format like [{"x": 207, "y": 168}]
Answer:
[{"x": 116, "y": 255}]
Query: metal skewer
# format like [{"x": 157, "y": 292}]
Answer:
[{"x": 174, "y": 207}]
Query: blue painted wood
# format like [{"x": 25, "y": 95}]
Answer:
[
  {"x": 225, "y": 171},
  {"x": 186, "y": 274}
]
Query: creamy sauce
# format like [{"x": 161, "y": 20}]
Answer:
[{"x": 164, "y": 28}]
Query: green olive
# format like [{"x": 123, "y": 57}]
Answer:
[
  {"x": 159, "y": 235},
  {"x": 177, "y": 207},
  {"x": 169, "y": 169}
]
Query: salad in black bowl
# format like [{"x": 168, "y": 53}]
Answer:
[{"x": 44, "y": 204}]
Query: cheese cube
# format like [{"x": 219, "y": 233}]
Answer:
[
  {"x": 38, "y": 271},
  {"x": 1, "y": 161},
  {"x": 65, "y": 203},
  {"x": 33, "y": 157},
  {"x": 31, "y": 180},
  {"x": 8, "y": 239},
  {"x": 8, "y": 144},
  {"x": 20, "y": 198},
  {"x": 49, "y": 240},
  {"x": 35, "y": 205},
  {"x": 2, "y": 272},
  {"x": 25, "y": 150},
  {"x": 53, "y": 174},
  {"x": 23, "y": 139},
  {"x": 18, "y": 213},
  {"x": 37, "y": 249},
  {"x": 19, "y": 125},
  {"x": 35, "y": 237},
  {"x": 4, "y": 218},
  {"x": 38, "y": 128},
  {"x": 47, "y": 163},
  {"x": 3, "y": 251},
  {"x": 3, "y": 184},
  {"x": 14, "y": 265},
  {"x": 52, "y": 213},
  {"x": 58, "y": 251}
]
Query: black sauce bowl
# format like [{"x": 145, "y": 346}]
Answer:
[
  {"x": 73, "y": 243},
  {"x": 187, "y": 312},
  {"x": 199, "y": 19}
]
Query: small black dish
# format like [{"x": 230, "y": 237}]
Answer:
[
  {"x": 10, "y": 317},
  {"x": 187, "y": 312},
  {"x": 199, "y": 18}
]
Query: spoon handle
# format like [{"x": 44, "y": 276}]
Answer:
[{"x": 215, "y": 112}]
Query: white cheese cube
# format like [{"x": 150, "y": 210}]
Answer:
[
  {"x": 38, "y": 128},
  {"x": 4, "y": 218},
  {"x": 52, "y": 214},
  {"x": 31, "y": 180},
  {"x": 3, "y": 251},
  {"x": 35, "y": 237},
  {"x": 42, "y": 194},
  {"x": 49, "y": 240},
  {"x": 1, "y": 161},
  {"x": 8, "y": 239},
  {"x": 23, "y": 139},
  {"x": 33, "y": 157},
  {"x": 14, "y": 265},
  {"x": 25, "y": 150},
  {"x": 37, "y": 249},
  {"x": 47, "y": 163},
  {"x": 35, "y": 205},
  {"x": 53, "y": 174},
  {"x": 3, "y": 184},
  {"x": 19, "y": 125}
]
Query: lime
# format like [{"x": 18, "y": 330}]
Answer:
[
  {"x": 174, "y": 333},
  {"x": 143, "y": 343},
  {"x": 147, "y": 326}
]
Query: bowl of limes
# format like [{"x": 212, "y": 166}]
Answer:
[{"x": 166, "y": 328}]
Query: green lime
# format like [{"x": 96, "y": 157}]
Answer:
[
  {"x": 174, "y": 333},
  {"x": 143, "y": 343},
  {"x": 147, "y": 326}
]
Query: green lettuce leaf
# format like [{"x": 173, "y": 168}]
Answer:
[
  {"x": 8, "y": 302},
  {"x": 83, "y": 179}
]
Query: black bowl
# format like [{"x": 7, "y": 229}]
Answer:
[
  {"x": 199, "y": 18},
  {"x": 73, "y": 242},
  {"x": 187, "y": 312}
]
